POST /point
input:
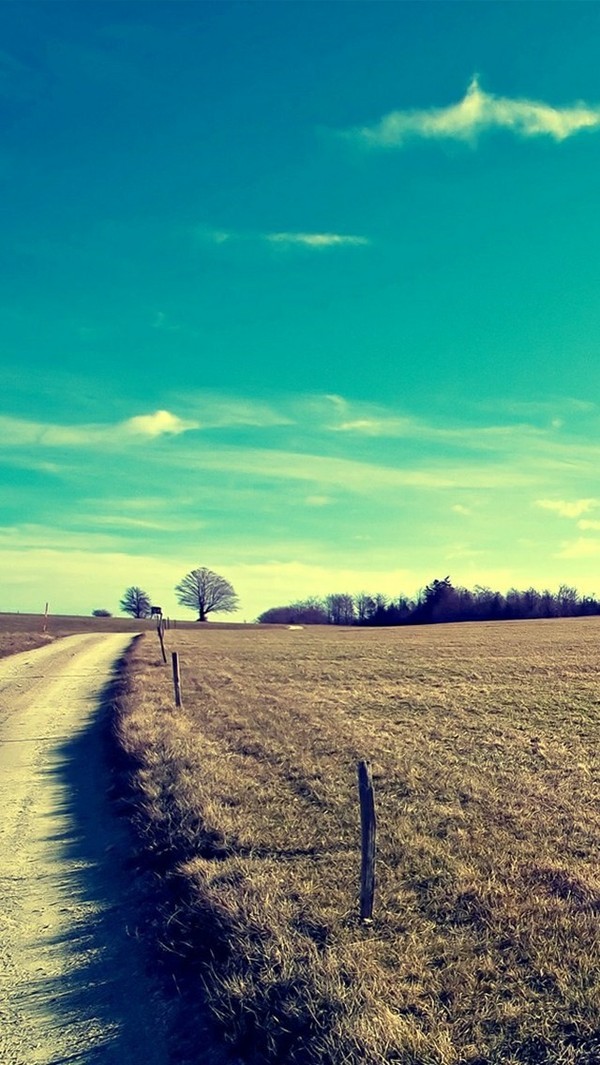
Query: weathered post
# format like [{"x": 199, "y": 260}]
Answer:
[
  {"x": 176, "y": 678},
  {"x": 368, "y": 825},
  {"x": 160, "y": 631}
]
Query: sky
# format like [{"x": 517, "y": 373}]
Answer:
[{"x": 306, "y": 293}]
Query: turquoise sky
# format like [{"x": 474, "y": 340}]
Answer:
[{"x": 307, "y": 293}]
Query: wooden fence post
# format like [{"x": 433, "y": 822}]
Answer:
[
  {"x": 160, "y": 631},
  {"x": 176, "y": 678},
  {"x": 368, "y": 825}
]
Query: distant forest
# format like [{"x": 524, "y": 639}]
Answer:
[{"x": 439, "y": 602}]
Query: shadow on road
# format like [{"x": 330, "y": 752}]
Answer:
[{"x": 101, "y": 986}]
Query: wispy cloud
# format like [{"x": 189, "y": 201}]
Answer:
[
  {"x": 477, "y": 112},
  {"x": 214, "y": 236},
  {"x": 367, "y": 420},
  {"x": 363, "y": 478},
  {"x": 18, "y": 432},
  {"x": 285, "y": 238},
  {"x": 581, "y": 548},
  {"x": 318, "y": 501},
  {"x": 317, "y": 240},
  {"x": 123, "y": 521},
  {"x": 28, "y": 535},
  {"x": 376, "y": 426},
  {"x": 206, "y": 411},
  {"x": 215, "y": 411},
  {"x": 354, "y": 418},
  {"x": 330, "y": 478},
  {"x": 568, "y": 508}
]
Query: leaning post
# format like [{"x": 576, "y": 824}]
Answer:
[{"x": 160, "y": 632}]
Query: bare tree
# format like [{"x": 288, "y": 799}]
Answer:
[
  {"x": 567, "y": 599},
  {"x": 136, "y": 602},
  {"x": 205, "y": 591},
  {"x": 365, "y": 606},
  {"x": 340, "y": 609}
]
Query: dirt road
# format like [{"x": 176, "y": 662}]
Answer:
[{"x": 72, "y": 981}]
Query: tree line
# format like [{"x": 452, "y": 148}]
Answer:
[{"x": 439, "y": 601}]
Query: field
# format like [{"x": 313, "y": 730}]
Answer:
[
  {"x": 483, "y": 740},
  {"x": 22, "y": 632}
]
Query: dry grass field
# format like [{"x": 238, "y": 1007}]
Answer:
[
  {"x": 484, "y": 742},
  {"x": 22, "y": 632}
]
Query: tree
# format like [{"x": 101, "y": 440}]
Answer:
[
  {"x": 101, "y": 613},
  {"x": 567, "y": 599},
  {"x": 308, "y": 612},
  {"x": 205, "y": 591},
  {"x": 365, "y": 606},
  {"x": 340, "y": 609},
  {"x": 136, "y": 602}
]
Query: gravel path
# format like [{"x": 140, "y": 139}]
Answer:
[{"x": 72, "y": 983}]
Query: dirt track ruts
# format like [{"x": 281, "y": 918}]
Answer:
[{"x": 72, "y": 981}]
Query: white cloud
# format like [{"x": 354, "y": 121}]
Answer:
[
  {"x": 377, "y": 426},
  {"x": 477, "y": 112},
  {"x": 19, "y": 432},
  {"x": 586, "y": 525},
  {"x": 285, "y": 238},
  {"x": 317, "y": 240},
  {"x": 568, "y": 509},
  {"x": 162, "y": 421},
  {"x": 361, "y": 418}
]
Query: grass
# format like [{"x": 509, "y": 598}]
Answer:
[
  {"x": 483, "y": 741},
  {"x": 12, "y": 643},
  {"x": 24, "y": 632}
]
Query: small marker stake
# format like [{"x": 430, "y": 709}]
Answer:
[{"x": 176, "y": 678}]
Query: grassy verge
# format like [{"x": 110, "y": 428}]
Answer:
[
  {"x": 484, "y": 745},
  {"x": 11, "y": 643}
]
